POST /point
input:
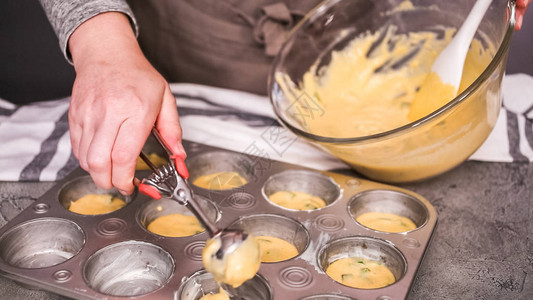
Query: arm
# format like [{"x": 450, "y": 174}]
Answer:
[
  {"x": 116, "y": 99},
  {"x": 66, "y": 15}
]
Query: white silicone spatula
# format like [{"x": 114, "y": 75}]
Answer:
[{"x": 449, "y": 64}]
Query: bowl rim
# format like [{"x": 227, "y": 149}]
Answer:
[{"x": 473, "y": 87}]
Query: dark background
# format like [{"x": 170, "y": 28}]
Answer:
[{"x": 32, "y": 67}]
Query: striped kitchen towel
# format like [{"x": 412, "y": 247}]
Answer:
[{"x": 35, "y": 143}]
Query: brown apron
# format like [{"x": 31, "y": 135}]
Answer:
[{"x": 224, "y": 43}]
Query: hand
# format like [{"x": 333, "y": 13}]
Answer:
[
  {"x": 521, "y": 6},
  {"x": 116, "y": 99}
]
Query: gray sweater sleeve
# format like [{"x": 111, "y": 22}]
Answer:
[{"x": 66, "y": 15}]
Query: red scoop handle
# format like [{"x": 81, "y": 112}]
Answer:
[
  {"x": 180, "y": 166},
  {"x": 149, "y": 191},
  {"x": 179, "y": 159}
]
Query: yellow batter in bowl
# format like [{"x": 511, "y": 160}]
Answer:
[
  {"x": 297, "y": 200},
  {"x": 96, "y": 204},
  {"x": 356, "y": 102},
  {"x": 362, "y": 91},
  {"x": 386, "y": 222},
  {"x": 220, "y": 181},
  {"x": 274, "y": 249},
  {"x": 360, "y": 273},
  {"x": 176, "y": 225}
]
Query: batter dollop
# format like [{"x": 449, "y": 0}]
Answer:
[
  {"x": 176, "y": 225},
  {"x": 220, "y": 181},
  {"x": 386, "y": 222},
  {"x": 360, "y": 273},
  {"x": 274, "y": 249},
  {"x": 96, "y": 204},
  {"x": 236, "y": 267},
  {"x": 297, "y": 200}
]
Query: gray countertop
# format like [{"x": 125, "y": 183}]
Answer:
[{"x": 482, "y": 247}]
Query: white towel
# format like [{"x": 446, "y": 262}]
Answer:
[{"x": 35, "y": 145}]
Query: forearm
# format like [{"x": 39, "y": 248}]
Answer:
[
  {"x": 67, "y": 15},
  {"x": 105, "y": 37}
]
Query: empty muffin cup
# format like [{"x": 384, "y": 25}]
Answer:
[
  {"x": 176, "y": 219},
  {"x": 41, "y": 243},
  {"x": 202, "y": 283},
  {"x": 219, "y": 170},
  {"x": 128, "y": 269},
  {"x": 111, "y": 199},
  {"x": 264, "y": 226},
  {"x": 301, "y": 190},
  {"x": 327, "y": 297},
  {"x": 368, "y": 254},
  {"x": 391, "y": 203}
]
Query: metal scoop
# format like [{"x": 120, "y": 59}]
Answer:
[{"x": 170, "y": 181}]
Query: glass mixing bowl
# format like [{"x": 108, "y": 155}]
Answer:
[{"x": 423, "y": 148}]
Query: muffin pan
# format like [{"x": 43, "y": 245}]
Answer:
[{"x": 113, "y": 256}]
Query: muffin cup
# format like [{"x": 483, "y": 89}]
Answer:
[
  {"x": 202, "y": 283},
  {"x": 218, "y": 161},
  {"x": 314, "y": 183},
  {"x": 388, "y": 201},
  {"x": 41, "y": 243},
  {"x": 365, "y": 247},
  {"x": 82, "y": 186},
  {"x": 159, "y": 208},
  {"x": 277, "y": 226},
  {"x": 128, "y": 269}
]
